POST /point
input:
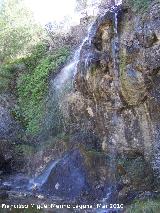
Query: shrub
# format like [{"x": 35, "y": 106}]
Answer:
[
  {"x": 6, "y": 74},
  {"x": 139, "y": 5},
  {"x": 25, "y": 150},
  {"x": 148, "y": 206},
  {"x": 32, "y": 87},
  {"x": 38, "y": 52}
]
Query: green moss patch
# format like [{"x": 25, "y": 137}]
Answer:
[
  {"x": 147, "y": 206},
  {"x": 32, "y": 87},
  {"x": 140, "y": 5}
]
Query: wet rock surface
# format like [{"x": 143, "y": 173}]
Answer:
[
  {"x": 128, "y": 121},
  {"x": 80, "y": 175}
]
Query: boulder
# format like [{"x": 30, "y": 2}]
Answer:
[{"x": 79, "y": 175}]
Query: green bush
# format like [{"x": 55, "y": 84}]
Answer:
[
  {"x": 38, "y": 52},
  {"x": 139, "y": 5},
  {"x": 32, "y": 87},
  {"x": 6, "y": 74},
  {"x": 25, "y": 150},
  {"x": 148, "y": 206}
]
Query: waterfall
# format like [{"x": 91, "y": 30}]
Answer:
[
  {"x": 116, "y": 47},
  {"x": 63, "y": 84},
  {"x": 41, "y": 179},
  {"x": 68, "y": 73},
  {"x": 111, "y": 192}
]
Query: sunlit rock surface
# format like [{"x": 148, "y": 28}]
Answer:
[{"x": 128, "y": 121}]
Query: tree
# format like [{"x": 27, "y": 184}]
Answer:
[
  {"x": 18, "y": 30},
  {"x": 81, "y": 5}
]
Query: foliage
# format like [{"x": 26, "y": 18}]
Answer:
[
  {"x": 122, "y": 63},
  {"x": 63, "y": 136},
  {"x": 139, "y": 5},
  {"x": 147, "y": 206},
  {"x": 18, "y": 30},
  {"x": 6, "y": 75},
  {"x": 4, "y": 78},
  {"x": 32, "y": 87},
  {"x": 81, "y": 4},
  {"x": 18, "y": 34},
  {"x": 30, "y": 209},
  {"x": 25, "y": 150},
  {"x": 38, "y": 52},
  {"x": 25, "y": 63},
  {"x": 10, "y": 69}
]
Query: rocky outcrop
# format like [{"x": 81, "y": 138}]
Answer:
[
  {"x": 10, "y": 135},
  {"x": 126, "y": 120},
  {"x": 9, "y": 128},
  {"x": 82, "y": 173}
]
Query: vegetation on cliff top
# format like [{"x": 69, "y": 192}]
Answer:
[
  {"x": 18, "y": 30},
  {"x": 26, "y": 62}
]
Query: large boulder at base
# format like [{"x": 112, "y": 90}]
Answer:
[{"x": 79, "y": 174}]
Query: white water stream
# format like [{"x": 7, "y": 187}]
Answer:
[{"x": 66, "y": 77}]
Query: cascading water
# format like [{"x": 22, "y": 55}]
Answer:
[
  {"x": 68, "y": 74},
  {"x": 116, "y": 46},
  {"x": 38, "y": 181},
  {"x": 21, "y": 182},
  {"x": 115, "y": 120},
  {"x": 62, "y": 85}
]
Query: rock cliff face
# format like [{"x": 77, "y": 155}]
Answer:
[
  {"x": 10, "y": 132},
  {"x": 117, "y": 95},
  {"x": 8, "y": 127},
  {"x": 111, "y": 116}
]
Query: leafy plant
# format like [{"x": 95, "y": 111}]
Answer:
[
  {"x": 32, "y": 88},
  {"x": 38, "y": 52},
  {"x": 139, "y": 5},
  {"x": 146, "y": 206},
  {"x": 25, "y": 150},
  {"x": 6, "y": 74},
  {"x": 18, "y": 30}
]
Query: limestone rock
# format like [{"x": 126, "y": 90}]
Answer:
[{"x": 127, "y": 119}]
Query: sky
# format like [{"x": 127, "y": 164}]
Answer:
[
  {"x": 51, "y": 10},
  {"x": 56, "y": 10}
]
